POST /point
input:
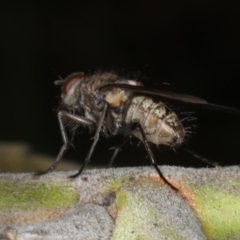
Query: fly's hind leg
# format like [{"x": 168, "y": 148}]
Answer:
[
  {"x": 151, "y": 156},
  {"x": 214, "y": 164},
  {"x": 66, "y": 143},
  {"x": 118, "y": 148}
]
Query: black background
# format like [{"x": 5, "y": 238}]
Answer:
[{"x": 193, "y": 45}]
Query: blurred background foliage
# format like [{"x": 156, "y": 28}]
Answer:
[{"x": 194, "y": 46}]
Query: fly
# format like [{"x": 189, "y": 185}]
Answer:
[{"x": 113, "y": 105}]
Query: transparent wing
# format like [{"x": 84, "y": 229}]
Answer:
[{"x": 188, "y": 99}]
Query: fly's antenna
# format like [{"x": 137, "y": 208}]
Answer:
[{"x": 60, "y": 80}]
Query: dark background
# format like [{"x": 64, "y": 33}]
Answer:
[{"x": 194, "y": 46}]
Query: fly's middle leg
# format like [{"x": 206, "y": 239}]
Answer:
[
  {"x": 118, "y": 148},
  {"x": 96, "y": 137}
]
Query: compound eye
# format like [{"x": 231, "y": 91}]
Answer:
[{"x": 70, "y": 81}]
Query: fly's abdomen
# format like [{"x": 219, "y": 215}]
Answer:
[{"x": 160, "y": 124}]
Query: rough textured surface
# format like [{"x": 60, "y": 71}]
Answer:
[
  {"x": 86, "y": 222},
  {"x": 123, "y": 203},
  {"x": 142, "y": 215}
]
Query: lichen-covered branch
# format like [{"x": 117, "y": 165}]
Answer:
[{"x": 122, "y": 203}]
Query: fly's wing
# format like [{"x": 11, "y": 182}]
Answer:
[{"x": 188, "y": 99}]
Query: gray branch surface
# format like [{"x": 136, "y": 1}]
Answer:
[{"x": 122, "y": 203}]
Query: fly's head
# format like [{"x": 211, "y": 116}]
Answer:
[{"x": 71, "y": 89}]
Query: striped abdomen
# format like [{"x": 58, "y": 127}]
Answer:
[{"x": 160, "y": 124}]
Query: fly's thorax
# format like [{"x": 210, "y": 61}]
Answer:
[
  {"x": 97, "y": 80},
  {"x": 160, "y": 124},
  {"x": 94, "y": 98}
]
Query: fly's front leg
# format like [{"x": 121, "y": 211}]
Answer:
[
  {"x": 151, "y": 156},
  {"x": 96, "y": 138},
  {"x": 66, "y": 143}
]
